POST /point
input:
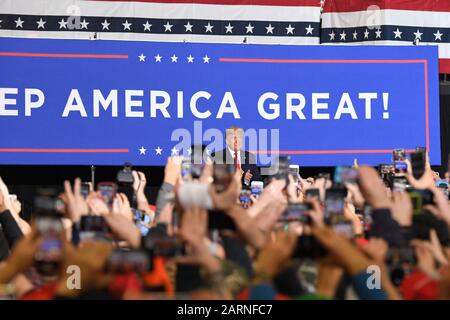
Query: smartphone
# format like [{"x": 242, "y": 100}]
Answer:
[
  {"x": 108, "y": 191},
  {"x": 256, "y": 188},
  {"x": 85, "y": 189},
  {"x": 190, "y": 170},
  {"x": 159, "y": 244},
  {"x": 345, "y": 175},
  {"x": 294, "y": 171},
  {"x": 93, "y": 228},
  {"x": 418, "y": 163},
  {"x": 283, "y": 168},
  {"x": 334, "y": 204},
  {"x": 48, "y": 257},
  {"x": 420, "y": 198},
  {"x": 296, "y": 212},
  {"x": 443, "y": 184},
  {"x": 399, "y": 156},
  {"x": 128, "y": 261},
  {"x": 312, "y": 193},
  {"x": 387, "y": 169},
  {"x": 244, "y": 198},
  {"x": 399, "y": 184},
  {"x": 222, "y": 176}
]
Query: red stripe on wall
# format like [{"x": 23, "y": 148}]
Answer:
[
  {"x": 299, "y": 3},
  {"x": 362, "y": 5},
  {"x": 63, "y": 55},
  {"x": 53, "y": 150}
]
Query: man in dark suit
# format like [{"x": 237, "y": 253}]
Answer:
[{"x": 233, "y": 154}]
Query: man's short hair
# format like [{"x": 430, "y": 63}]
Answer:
[{"x": 232, "y": 129}]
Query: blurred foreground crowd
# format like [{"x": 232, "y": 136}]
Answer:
[{"x": 365, "y": 233}]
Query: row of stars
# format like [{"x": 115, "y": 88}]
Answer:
[
  {"x": 173, "y": 58},
  {"x": 167, "y": 27},
  {"x": 174, "y": 151},
  {"x": 398, "y": 34}
]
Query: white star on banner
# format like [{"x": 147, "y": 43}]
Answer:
[
  {"x": 206, "y": 59},
  {"x": 62, "y": 24},
  {"x": 378, "y": 33},
  {"x": 398, "y": 34},
  {"x": 269, "y": 29},
  {"x": 174, "y": 151},
  {"x": 41, "y": 23},
  {"x": 438, "y": 35},
  {"x": 190, "y": 59},
  {"x": 249, "y": 28},
  {"x": 146, "y": 26},
  {"x": 290, "y": 29},
  {"x": 209, "y": 27},
  {"x": 343, "y": 35},
  {"x": 1, "y": 23},
  {"x": 188, "y": 27},
  {"x": 142, "y": 58},
  {"x": 168, "y": 27},
  {"x": 158, "y": 151},
  {"x": 366, "y": 34},
  {"x": 105, "y": 25},
  {"x": 174, "y": 58},
  {"x": 418, "y": 34},
  {"x": 19, "y": 22},
  {"x": 309, "y": 30},
  {"x": 355, "y": 35},
  {"x": 332, "y": 35},
  {"x": 142, "y": 151},
  {"x": 126, "y": 25},
  {"x": 229, "y": 28},
  {"x": 158, "y": 58},
  {"x": 84, "y": 24}
]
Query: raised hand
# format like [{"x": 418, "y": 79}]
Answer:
[
  {"x": 76, "y": 205},
  {"x": 373, "y": 188}
]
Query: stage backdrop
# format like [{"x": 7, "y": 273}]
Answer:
[{"x": 107, "y": 102}]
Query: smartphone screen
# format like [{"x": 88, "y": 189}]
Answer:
[
  {"x": 85, "y": 189},
  {"x": 294, "y": 171},
  {"x": 399, "y": 184},
  {"x": 244, "y": 198},
  {"x": 256, "y": 188},
  {"x": 296, "y": 212},
  {"x": 312, "y": 193},
  {"x": 107, "y": 191},
  {"x": 283, "y": 168},
  {"x": 334, "y": 204},
  {"x": 345, "y": 175},
  {"x": 122, "y": 261},
  {"x": 399, "y": 155},
  {"x": 418, "y": 164},
  {"x": 49, "y": 255}
]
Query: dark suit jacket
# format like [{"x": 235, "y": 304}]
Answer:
[{"x": 248, "y": 162}]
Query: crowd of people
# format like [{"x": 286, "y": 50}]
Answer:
[{"x": 213, "y": 235}]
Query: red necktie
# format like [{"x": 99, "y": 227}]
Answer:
[{"x": 237, "y": 163}]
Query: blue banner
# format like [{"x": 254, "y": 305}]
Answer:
[{"x": 107, "y": 102}]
